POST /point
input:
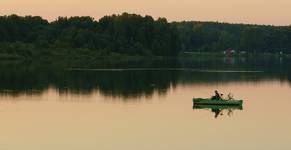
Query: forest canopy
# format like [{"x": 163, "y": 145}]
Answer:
[
  {"x": 217, "y": 37},
  {"x": 135, "y": 35},
  {"x": 128, "y": 34}
]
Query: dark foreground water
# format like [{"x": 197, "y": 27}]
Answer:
[{"x": 145, "y": 105}]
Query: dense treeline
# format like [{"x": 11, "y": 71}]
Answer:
[
  {"x": 217, "y": 37},
  {"x": 128, "y": 34},
  {"x": 131, "y": 34}
]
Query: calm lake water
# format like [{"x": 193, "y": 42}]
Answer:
[{"x": 144, "y": 105}]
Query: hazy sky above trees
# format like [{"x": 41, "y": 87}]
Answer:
[{"x": 276, "y": 12}]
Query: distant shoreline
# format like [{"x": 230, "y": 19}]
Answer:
[
  {"x": 115, "y": 57},
  {"x": 133, "y": 35},
  {"x": 221, "y": 54}
]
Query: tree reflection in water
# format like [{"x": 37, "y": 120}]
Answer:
[{"x": 34, "y": 78}]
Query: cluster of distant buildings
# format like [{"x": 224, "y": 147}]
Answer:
[{"x": 231, "y": 51}]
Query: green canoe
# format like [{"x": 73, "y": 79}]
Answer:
[
  {"x": 201, "y": 101},
  {"x": 197, "y": 106}
]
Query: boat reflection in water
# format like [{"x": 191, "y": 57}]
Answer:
[{"x": 219, "y": 110}]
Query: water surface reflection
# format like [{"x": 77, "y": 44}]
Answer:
[
  {"x": 50, "y": 107},
  {"x": 18, "y": 79}
]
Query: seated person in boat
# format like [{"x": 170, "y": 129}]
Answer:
[{"x": 217, "y": 96}]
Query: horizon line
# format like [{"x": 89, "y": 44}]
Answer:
[{"x": 175, "y": 21}]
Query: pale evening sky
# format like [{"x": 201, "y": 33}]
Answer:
[{"x": 273, "y": 12}]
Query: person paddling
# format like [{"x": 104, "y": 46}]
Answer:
[{"x": 217, "y": 96}]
